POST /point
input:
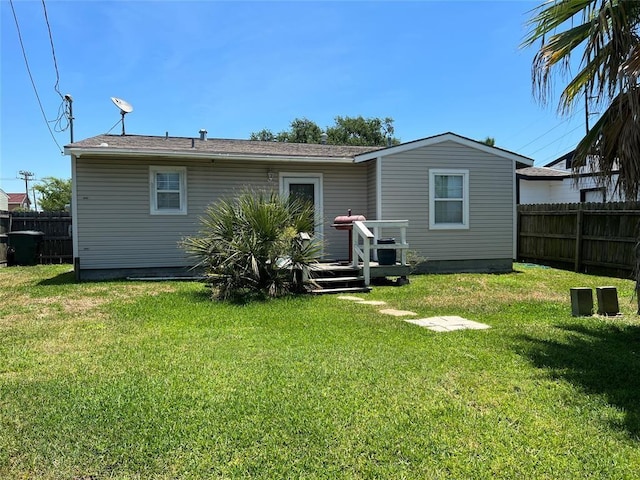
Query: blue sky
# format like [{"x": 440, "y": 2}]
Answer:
[{"x": 237, "y": 67}]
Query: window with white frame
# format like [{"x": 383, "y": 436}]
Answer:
[
  {"x": 448, "y": 199},
  {"x": 168, "y": 189}
]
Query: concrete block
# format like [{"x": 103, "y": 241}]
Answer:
[
  {"x": 607, "y": 300},
  {"x": 581, "y": 301}
]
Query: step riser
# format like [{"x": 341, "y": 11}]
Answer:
[
  {"x": 335, "y": 279},
  {"x": 340, "y": 290}
]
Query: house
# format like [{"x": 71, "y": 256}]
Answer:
[
  {"x": 555, "y": 182},
  {"x": 4, "y": 201},
  {"x": 134, "y": 197},
  {"x": 18, "y": 200}
]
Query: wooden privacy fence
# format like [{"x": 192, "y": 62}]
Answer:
[
  {"x": 598, "y": 238},
  {"x": 56, "y": 226}
]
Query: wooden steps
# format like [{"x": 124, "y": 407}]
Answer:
[{"x": 335, "y": 278}]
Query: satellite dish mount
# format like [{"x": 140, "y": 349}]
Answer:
[{"x": 124, "y": 106}]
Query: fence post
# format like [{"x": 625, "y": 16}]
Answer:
[{"x": 578, "y": 252}]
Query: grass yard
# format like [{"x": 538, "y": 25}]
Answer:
[{"x": 137, "y": 380}]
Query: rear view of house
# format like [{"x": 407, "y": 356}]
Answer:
[{"x": 135, "y": 197}]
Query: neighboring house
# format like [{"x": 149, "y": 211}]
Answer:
[
  {"x": 4, "y": 201},
  {"x": 556, "y": 183},
  {"x": 135, "y": 197},
  {"x": 18, "y": 200}
]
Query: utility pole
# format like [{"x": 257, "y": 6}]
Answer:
[
  {"x": 27, "y": 177},
  {"x": 35, "y": 200},
  {"x": 69, "y": 99},
  {"x": 586, "y": 111}
]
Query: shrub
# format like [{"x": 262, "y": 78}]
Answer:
[{"x": 252, "y": 244}]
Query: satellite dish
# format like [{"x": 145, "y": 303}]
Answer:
[{"x": 124, "y": 106}]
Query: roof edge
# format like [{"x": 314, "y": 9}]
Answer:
[
  {"x": 145, "y": 153},
  {"x": 443, "y": 137}
]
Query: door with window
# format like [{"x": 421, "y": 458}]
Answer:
[{"x": 307, "y": 187}]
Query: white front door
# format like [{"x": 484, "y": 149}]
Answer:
[{"x": 309, "y": 187}]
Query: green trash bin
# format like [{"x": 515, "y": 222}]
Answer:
[
  {"x": 386, "y": 256},
  {"x": 25, "y": 247}
]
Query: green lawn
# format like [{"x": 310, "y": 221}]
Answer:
[{"x": 153, "y": 380}]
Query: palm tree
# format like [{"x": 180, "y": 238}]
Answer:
[
  {"x": 604, "y": 33},
  {"x": 251, "y": 244}
]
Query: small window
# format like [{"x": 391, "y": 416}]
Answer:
[
  {"x": 168, "y": 188},
  {"x": 593, "y": 195},
  {"x": 448, "y": 199}
]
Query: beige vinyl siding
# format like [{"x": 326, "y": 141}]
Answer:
[
  {"x": 405, "y": 193},
  {"x": 371, "y": 190},
  {"x": 115, "y": 228}
]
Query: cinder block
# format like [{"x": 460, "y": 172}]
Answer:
[
  {"x": 581, "y": 301},
  {"x": 607, "y": 300}
]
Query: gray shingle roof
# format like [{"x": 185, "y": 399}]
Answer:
[
  {"x": 542, "y": 173},
  {"x": 218, "y": 146}
]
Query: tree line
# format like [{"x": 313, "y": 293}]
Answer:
[{"x": 345, "y": 131}]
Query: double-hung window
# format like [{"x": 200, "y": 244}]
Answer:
[
  {"x": 448, "y": 199},
  {"x": 168, "y": 189}
]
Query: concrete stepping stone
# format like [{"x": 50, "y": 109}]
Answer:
[
  {"x": 397, "y": 313},
  {"x": 361, "y": 300},
  {"x": 448, "y": 324}
]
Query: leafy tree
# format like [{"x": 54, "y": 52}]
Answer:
[
  {"x": 302, "y": 131},
  {"x": 345, "y": 131},
  {"x": 489, "y": 141},
  {"x": 264, "y": 135},
  {"x": 252, "y": 244},
  {"x": 55, "y": 194},
  {"x": 604, "y": 33},
  {"x": 361, "y": 131}
]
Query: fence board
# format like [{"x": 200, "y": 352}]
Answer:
[
  {"x": 588, "y": 237},
  {"x": 56, "y": 226}
]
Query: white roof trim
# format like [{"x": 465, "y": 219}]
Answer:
[
  {"x": 106, "y": 151},
  {"x": 445, "y": 137}
]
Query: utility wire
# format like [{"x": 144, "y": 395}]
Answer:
[
  {"x": 62, "y": 121},
  {"x": 53, "y": 51},
  {"x": 550, "y": 130},
  {"x": 558, "y": 139},
  {"x": 33, "y": 84}
]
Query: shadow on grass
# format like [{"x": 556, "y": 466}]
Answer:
[
  {"x": 65, "y": 278},
  {"x": 602, "y": 360}
]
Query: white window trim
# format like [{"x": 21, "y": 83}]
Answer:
[
  {"x": 465, "y": 199},
  {"x": 153, "y": 198}
]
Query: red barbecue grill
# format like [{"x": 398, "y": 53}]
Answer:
[{"x": 345, "y": 222}]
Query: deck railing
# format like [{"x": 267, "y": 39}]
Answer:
[{"x": 365, "y": 243}]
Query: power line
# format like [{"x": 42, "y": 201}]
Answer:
[
  {"x": 550, "y": 130},
  {"x": 33, "y": 84},
  {"x": 558, "y": 139},
  {"x": 53, "y": 51},
  {"x": 63, "y": 120}
]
